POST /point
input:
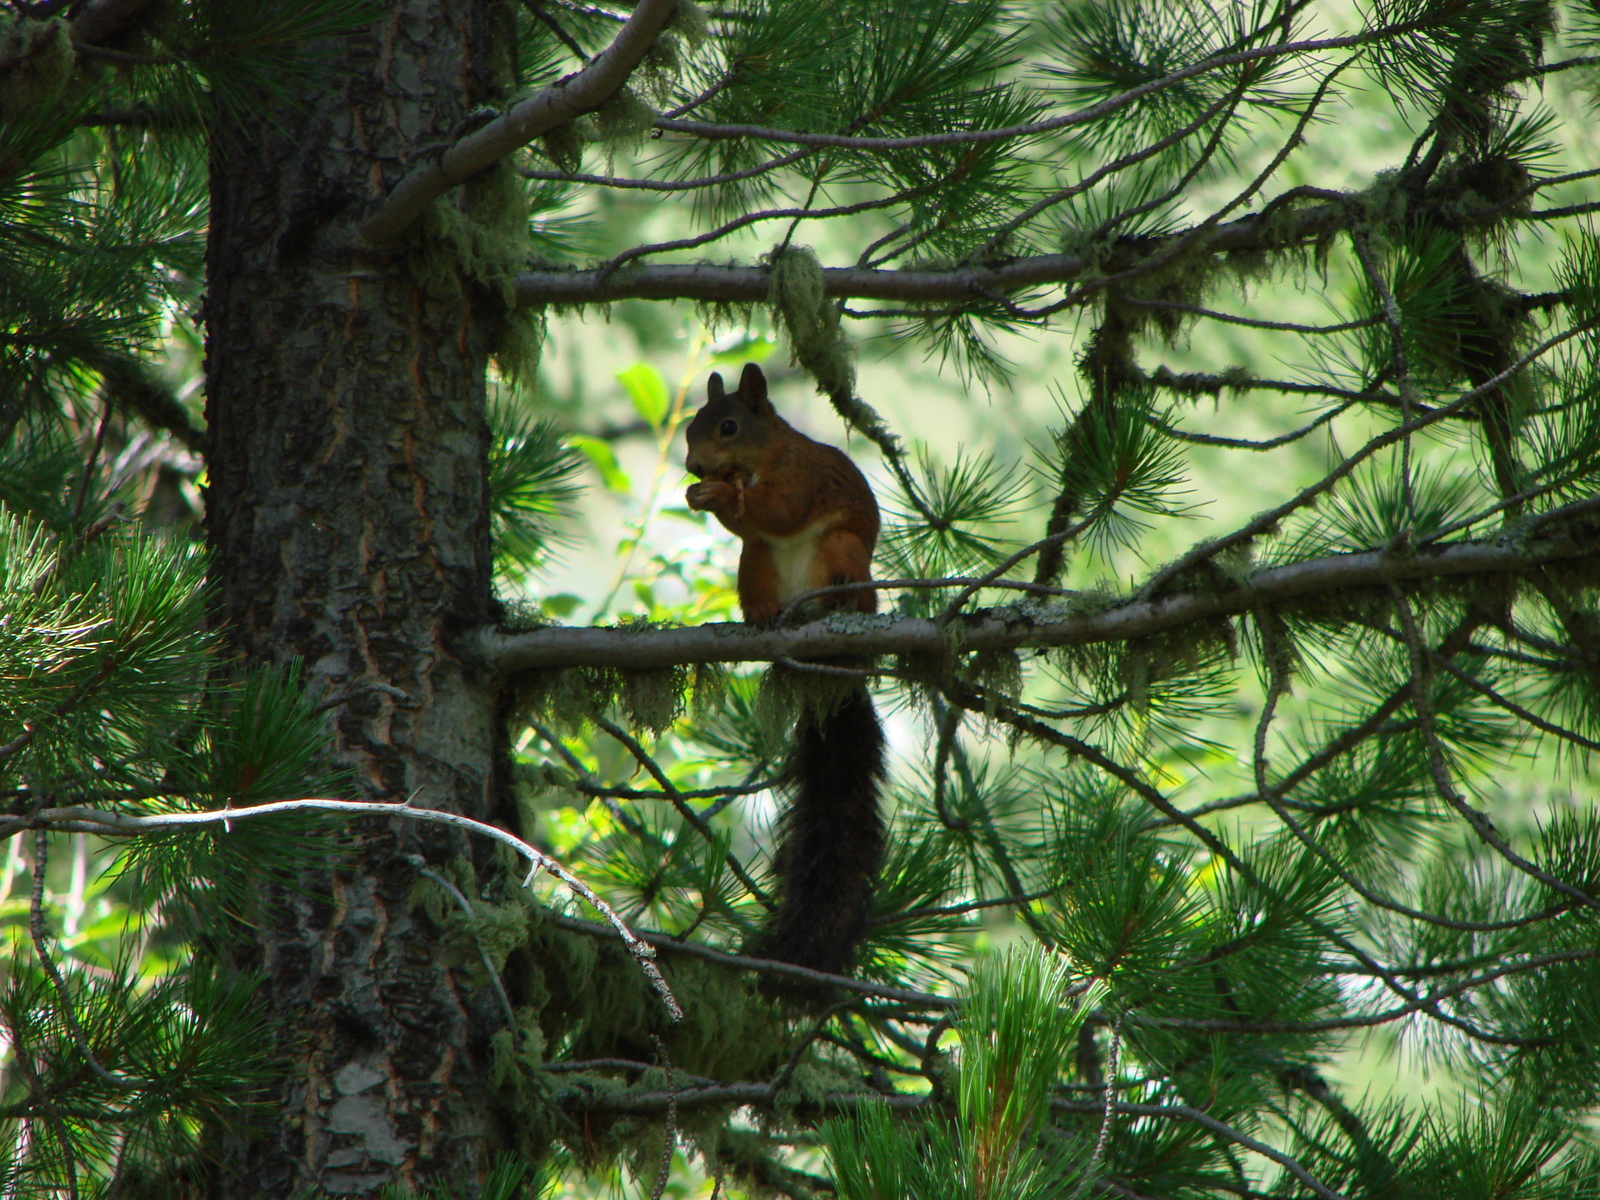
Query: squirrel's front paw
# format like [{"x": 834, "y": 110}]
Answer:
[{"x": 710, "y": 494}]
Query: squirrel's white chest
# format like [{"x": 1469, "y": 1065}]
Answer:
[{"x": 794, "y": 558}]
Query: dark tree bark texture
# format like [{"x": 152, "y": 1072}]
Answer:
[{"x": 346, "y": 510}]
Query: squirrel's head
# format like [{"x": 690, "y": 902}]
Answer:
[{"x": 731, "y": 429}]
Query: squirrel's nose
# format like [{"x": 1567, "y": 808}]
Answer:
[{"x": 695, "y": 467}]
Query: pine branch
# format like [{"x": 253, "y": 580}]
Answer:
[
  {"x": 1004, "y": 629},
  {"x": 465, "y": 906},
  {"x": 665, "y": 185},
  {"x": 1439, "y": 769},
  {"x": 1278, "y": 686},
  {"x": 1512, "y": 707},
  {"x": 739, "y": 1094},
  {"x": 1271, "y": 517},
  {"x": 69, "y": 1013},
  {"x": 1267, "y": 230},
  {"x": 1094, "y": 112},
  {"x": 734, "y": 1095},
  {"x": 999, "y": 710},
  {"x": 570, "y": 97}
]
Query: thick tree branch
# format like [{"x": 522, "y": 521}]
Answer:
[
  {"x": 752, "y": 284},
  {"x": 563, "y": 100},
  {"x": 1032, "y": 624}
]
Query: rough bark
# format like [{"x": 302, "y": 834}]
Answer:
[{"x": 347, "y": 514}]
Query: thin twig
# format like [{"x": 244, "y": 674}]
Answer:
[
  {"x": 30, "y": 729},
  {"x": 668, "y": 185},
  {"x": 1221, "y": 1128},
  {"x": 1248, "y": 322},
  {"x": 1053, "y": 540},
  {"x": 766, "y": 966},
  {"x": 772, "y": 214},
  {"x": 1512, "y": 706},
  {"x": 554, "y": 26},
  {"x": 1133, "y": 158},
  {"x": 1397, "y": 353},
  {"x": 1103, "y": 1139},
  {"x": 1277, "y": 686},
  {"x": 669, "y": 1134},
  {"x": 1208, "y": 439},
  {"x": 949, "y": 726},
  {"x": 1271, "y": 517},
  {"x": 1131, "y": 779},
  {"x": 1181, "y": 245},
  {"x": 1440, "y": 770},
  {"x": 631, "y": 744}
]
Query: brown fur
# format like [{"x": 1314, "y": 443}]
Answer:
[{"x": 807, "y": 520}]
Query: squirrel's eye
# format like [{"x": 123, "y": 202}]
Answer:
[{"x": 730, "y": 427}]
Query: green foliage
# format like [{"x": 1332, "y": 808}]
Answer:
[
  {"x": 532, "y": 486},
  {"x": 1275, "y": 827},
  {"x": 112, "y": 699},
  {"x": 1129, "y": 468},
  {"x": 1015, "y": 1033}
]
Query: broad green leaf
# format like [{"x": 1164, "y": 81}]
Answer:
[
  {"x": 563, "y": 604},
  {"x": 648, "y": 390},
  {"x": 604, "y": 459},
  {"x": 748, "y": 346}
]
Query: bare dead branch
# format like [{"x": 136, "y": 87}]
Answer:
[{"x": 114, "y": 824}]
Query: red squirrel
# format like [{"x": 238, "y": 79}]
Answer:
[{"x": 807, "y": 519}]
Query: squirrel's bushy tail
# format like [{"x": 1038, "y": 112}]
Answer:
[{"x": 831, "y": 842}]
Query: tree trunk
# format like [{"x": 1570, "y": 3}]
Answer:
[{"x": 347, "y": 515}]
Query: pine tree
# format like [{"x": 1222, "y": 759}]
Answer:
[{"x": 342, "y": 867}]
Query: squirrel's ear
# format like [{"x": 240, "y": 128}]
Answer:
[
  {"x": 753, "y": 388},
  {"x": 714, "y": 387}
]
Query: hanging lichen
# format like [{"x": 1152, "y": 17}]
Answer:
[
  {"x": 479, "y": 235},
  {"x": 817, "y": 343},
  {"x": 622, "y": 124},
  {"x": 36, "y": 64}
]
